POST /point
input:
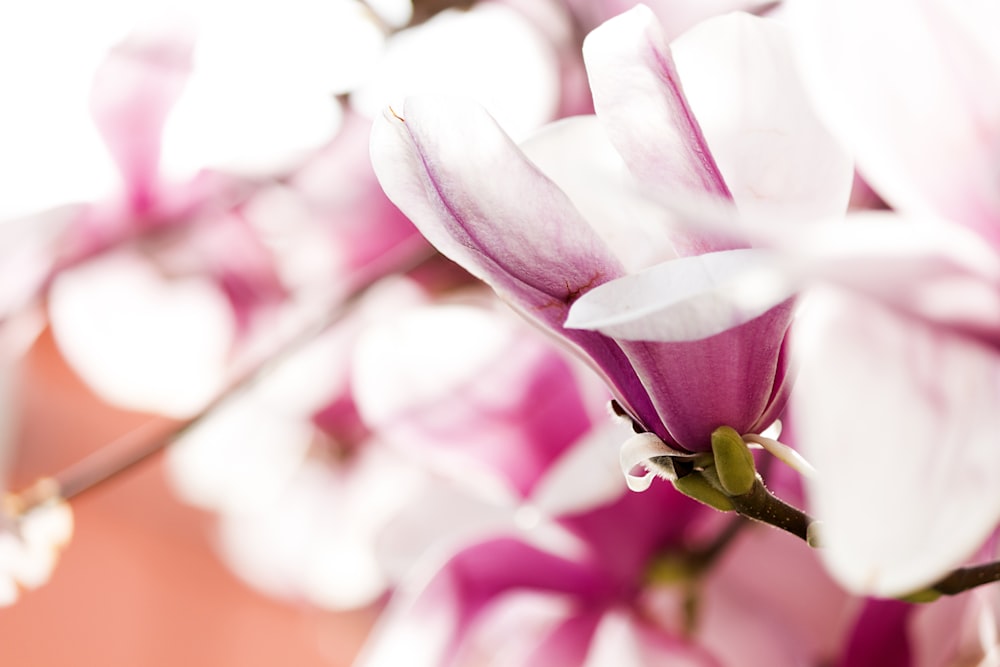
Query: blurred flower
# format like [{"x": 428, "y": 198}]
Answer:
[
  {"x": 619, "y": 583},
  {"x": 30, "y": 544}
]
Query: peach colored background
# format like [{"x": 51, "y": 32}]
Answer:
[{"x": 139, "y": 584}]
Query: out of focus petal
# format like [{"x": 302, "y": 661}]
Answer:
[
  {"x": 139, "y": 339},
  {"x": 467, "y": 389},
  {"x": 490, "y": 53},
  {"x": 914, "y": 110},
  {"x": 134, "y": 91},
  {"x": 741, "y": 82},
  {"x": 899, "y": 419}
]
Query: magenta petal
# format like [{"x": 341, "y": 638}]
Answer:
[
  {"x": 880, "y": 636},
  {"x": 132, "y": 95},
  {"x": 730, "y": 379},
  {"x": 433, "y": 623}
]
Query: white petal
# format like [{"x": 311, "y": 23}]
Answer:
[
  {"x": 490, "y": 53},
  {"x": 916, "y": 112},
  {"x": 683, "y": 299},
  {"x": 901, "y": 423},
  {"x": 777, "y": 158},
  {"x": 140, "y": 340},
  {"x": 600, "y": 185}
]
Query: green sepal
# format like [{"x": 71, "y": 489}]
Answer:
[
  {"x": 699, "y": 488},
  {"x": 733, "y": 461}
]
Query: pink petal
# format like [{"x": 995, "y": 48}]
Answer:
[
  {"x": 734, "y": 378},
  {"x": 475, "y": 197},
  {"x": 428, "y": 627},
  {"x": 900, "y": 420},
  {"x": 917, "y": 114},
  {"x": 133, "y": 92},
  {"x": 638, "y": 97},
  {"x": 683, "y": 299},
  {"x": 468, "y": 390},
  {"x": 742, "y": 84}
]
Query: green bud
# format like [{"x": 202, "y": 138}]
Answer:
[
  {"x": 814, "y": 535},
  {"x": 699, "y": 488},
  {"x": 733, "y": 461}
]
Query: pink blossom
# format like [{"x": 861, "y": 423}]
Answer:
[{"x": 482, "y": 201}]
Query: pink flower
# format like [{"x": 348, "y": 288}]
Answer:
[
  {"x": 609, "y": 586},
  {"x": 594, "y": 274}
]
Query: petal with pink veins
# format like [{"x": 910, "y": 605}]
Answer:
[{"x": 475, "y": 196}]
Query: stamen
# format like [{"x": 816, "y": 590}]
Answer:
[
  {"x": 648, "y": 451},
  {"x": 783, "y": 453}
]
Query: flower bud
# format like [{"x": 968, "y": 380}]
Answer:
[{"x": 733, "y": 461}]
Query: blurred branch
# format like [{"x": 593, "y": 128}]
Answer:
[{"x": 149, "y": 439}]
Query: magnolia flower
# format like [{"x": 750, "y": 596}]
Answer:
[
  {"x": 616, "y": 584},
  {"x": 556, "y": 230}
]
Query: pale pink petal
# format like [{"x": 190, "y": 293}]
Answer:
[
  {"x": 471, "y": 392},
  {"x": 475, "y": 196},
  {"x": 140, "y": 339},
  {"x": 913, "y": 108},
  {"x": 491, "y": 53},
  {"x": 683, "y": 299},
  {"x": 134, "y": 91},
  {"x": 623, "y": 639},
  {"x": 639, "y": 98},
  {"x": 810, "y": 627},
  {"x": 576, "y": 154},
  {"x": 900, "y": 421},
  {"x": 741, "y": 83},
  {"x": 920, "y": 265}
]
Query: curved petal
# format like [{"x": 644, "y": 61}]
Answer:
[
  {"x": 635, "y": 228},
  {"x": 684, "y": 299},
  {"x": 427, "y": 627},
  {"x": 475, "y": 197},
  {"x": 465, "y": 390},
  {"x": 638, "y": 97},
  {"x": 742, "y": 84},
  {"x": 133, "y": 92},
  {"x": 730, "y": 379},
  {"x": 920, "y": 265},
  {"x": 900, "y": 421},
  {"x": 918, "y": 115},
  {"x": 623, "y": 639}
]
